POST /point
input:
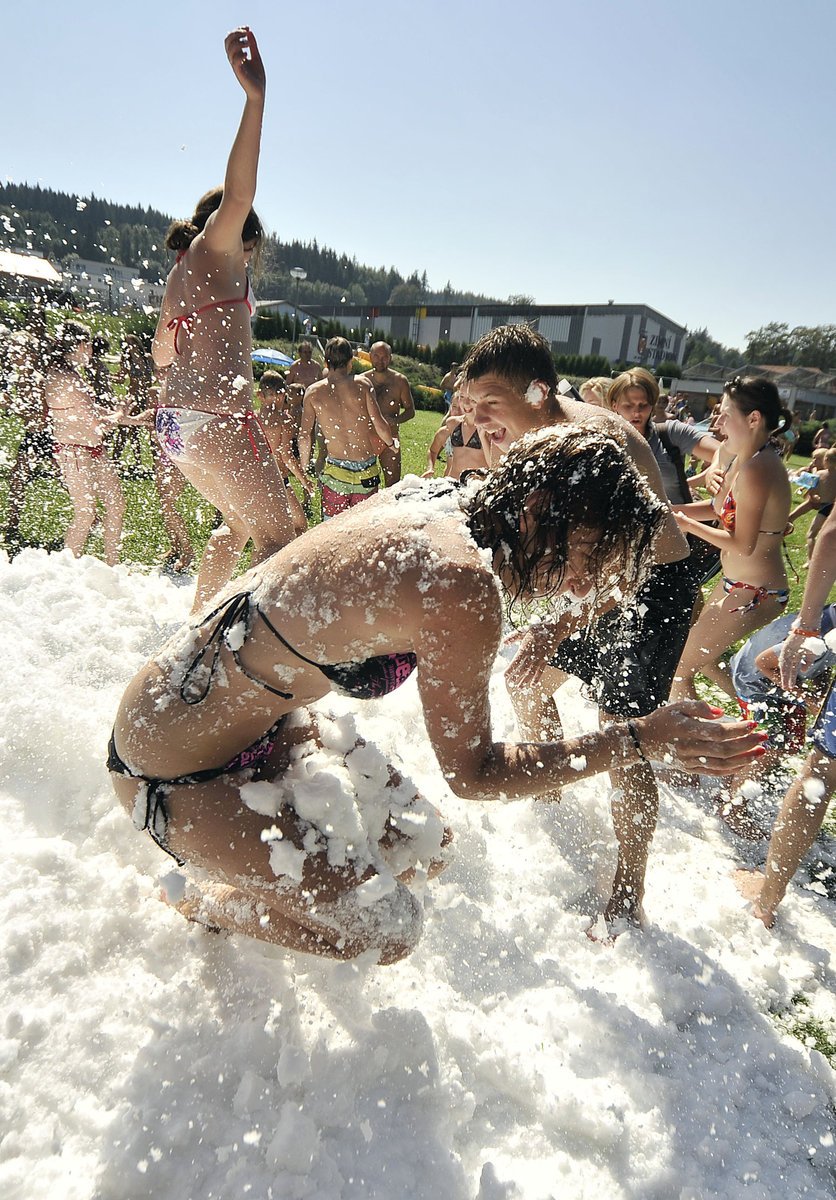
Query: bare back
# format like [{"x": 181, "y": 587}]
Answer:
[
  {"x": 344, "y": 408},
  {"x": 825, "y": 489},
  {"x": 278, "y": 425},
  {"x": 203, "y": 339},
  {"x": 363, "y": 611}
]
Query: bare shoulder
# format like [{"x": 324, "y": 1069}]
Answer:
[
  {"x": 464, "y": 580},
  {"x": 590, "y": 416},
  {"x": 316, "y": 389},
  {"x": 763, "y": 471}
]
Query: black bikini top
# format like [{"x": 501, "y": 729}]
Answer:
[
  {"x": 457, "y": 438},
  {"x": 366, "y": 680}
]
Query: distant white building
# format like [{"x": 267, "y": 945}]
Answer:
[
  {"x": 24, "y": 275},
  {"x": 110, "y": 285},
  {"x": 633, "y": 333}
]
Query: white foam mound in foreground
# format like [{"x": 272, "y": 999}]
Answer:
[{"x": 507, "y": 1057}]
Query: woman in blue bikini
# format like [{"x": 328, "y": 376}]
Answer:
[
  {"x": 217, "y": 754},
  {"x": 202, "y": 348},
  {"x": 752, "y": 511}
]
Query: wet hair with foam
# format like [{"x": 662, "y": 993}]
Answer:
[
  {"x": 515, "y": 353},
  {"x": 570, "y": 479}
]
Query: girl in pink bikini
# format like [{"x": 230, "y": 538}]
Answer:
[
  {"x": 752, "y": 508},
  {"x": 202, "y": 347}
]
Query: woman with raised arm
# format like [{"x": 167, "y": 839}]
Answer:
[
  {"x": 202, "y": 347},
  {"x": 752, "y": 509},
  {"x": 217, "y": 754}
]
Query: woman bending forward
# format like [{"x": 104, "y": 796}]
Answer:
[{"x": 215, "y": 750}]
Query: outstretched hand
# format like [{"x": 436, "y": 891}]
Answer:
[
  {"x": 690, "y": 733},
  {"x": 245, "y": 60},
  {"x": 790, "y": 660}
]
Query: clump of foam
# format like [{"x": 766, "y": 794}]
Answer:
[
  {"x": 812, "y": 790},
  {"x": 359, "y": 810}
]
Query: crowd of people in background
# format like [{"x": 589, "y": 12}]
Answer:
[
  {"x": 602, "y": 511},
  {"x": 327, "y": 430}
]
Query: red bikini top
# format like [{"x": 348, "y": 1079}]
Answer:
[{"x": 186, "y": 319}]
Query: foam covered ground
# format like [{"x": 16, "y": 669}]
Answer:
[{"x": 508, "y": 1057}]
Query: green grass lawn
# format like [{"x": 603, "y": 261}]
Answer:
[{"x": 48, "y": 511}]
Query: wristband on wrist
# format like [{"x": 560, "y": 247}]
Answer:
[
  {"x": 799, "y": 632},
  {"x": 634, "y": 738}
]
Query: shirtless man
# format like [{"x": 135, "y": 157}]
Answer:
[
  {"x": 301, "y": 375},
  {"x": 299, "y": 378},
  {"x": 448, "y": 384},
  {"x": 349, "y": 419},
  {"x": 282, "y": 432},
  {"x": 396, "y": 404},
  {"x": 627, "y": 654}
]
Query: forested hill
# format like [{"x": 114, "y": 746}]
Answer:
[{"x": 56, "y": 224}]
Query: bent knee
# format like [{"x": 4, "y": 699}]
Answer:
[{"x": 391, "y": 924}]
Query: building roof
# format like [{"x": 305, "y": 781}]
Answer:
[
  {"x": 709, "y": 370},
  {"x": 28, "y": 266},
  {"x": 499, "y": 309},
  {"x": 781, "y": 376}
]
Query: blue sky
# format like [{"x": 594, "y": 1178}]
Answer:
[{"x": 677, "y": 155}]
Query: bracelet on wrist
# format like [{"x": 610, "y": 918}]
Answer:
[
  {"x": 634, "y": 738},
  {"x": 799, "y": 632}
]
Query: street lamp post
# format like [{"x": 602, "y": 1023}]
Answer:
[{"x": 297, "y": 273}]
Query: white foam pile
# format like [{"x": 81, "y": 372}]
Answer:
[{"x": 508, "y": 1056}]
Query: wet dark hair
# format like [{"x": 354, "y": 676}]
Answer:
[
  {"x": 754, "y": 393},
  {"x": 181, "y": 234},
  {"x": 516, "y": 353},
  {"x": 67, "y": 337},
  {"x": 338, "y": 352},
  {"x": 568, "y": 477}
]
